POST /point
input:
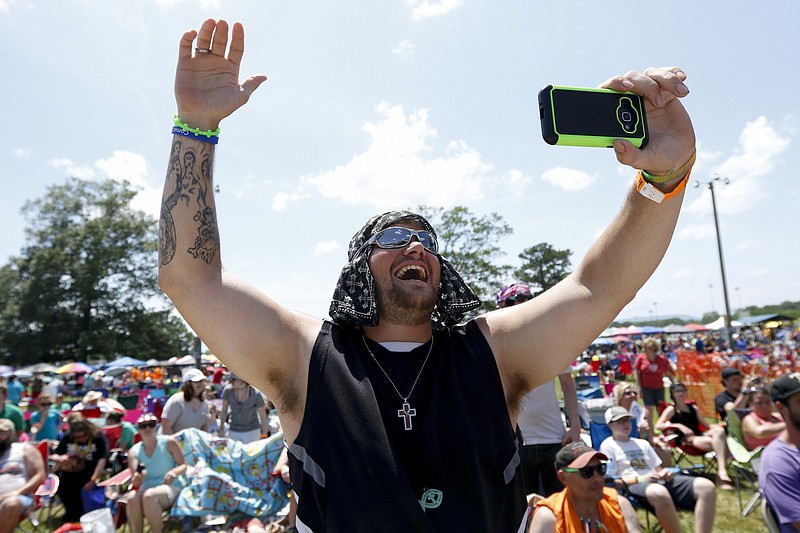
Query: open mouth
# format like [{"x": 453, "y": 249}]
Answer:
[{"x": 412, "y": 273}]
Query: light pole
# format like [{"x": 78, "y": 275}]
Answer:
[{"x": 719, "y": 249}]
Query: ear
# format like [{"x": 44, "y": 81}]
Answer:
[{"x": 562, "y": 477}]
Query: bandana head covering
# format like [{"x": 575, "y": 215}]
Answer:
[{"x": 354, "y": 301}]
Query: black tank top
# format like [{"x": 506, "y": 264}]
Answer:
[
  {"x": 689, "y": 419},
  {"x": 355, "y": 468}
]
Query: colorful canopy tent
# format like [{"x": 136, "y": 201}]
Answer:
[
  {"x": 719, "y": 323},
  {"x": 40, "y": 368},
  {"x": 123, "y": 362},
  {"x": 763, "y": 319},
  {"x": 74, "y": 368}
]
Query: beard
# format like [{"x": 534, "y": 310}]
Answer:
[
  {"x": 405, "y": 307},
  {"x": 4, "y": 446}
]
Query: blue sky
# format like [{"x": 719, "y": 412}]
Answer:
[{"x": 393, "y": 103}]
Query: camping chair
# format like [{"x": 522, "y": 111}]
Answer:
[
  {"x": 116, "y": 486},
  {"x": 44, "y": 496},
  {"x": 745, "y": 462},
  {"x": 129, "y": 401},
  {"x": 682, "y": 450},
  {"x": 651, "y": 523}
]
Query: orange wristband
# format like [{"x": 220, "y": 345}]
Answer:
[{"x": 647, "y": 189}]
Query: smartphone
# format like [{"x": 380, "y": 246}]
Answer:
[
  {"x": 581, "y": 116},
  {"x": 140, "y": 468}
]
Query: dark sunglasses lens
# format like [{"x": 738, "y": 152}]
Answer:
[
  {"x": 393, "y": 238},
  {"x": 145, "y": 425},
  {"x": 399, "y": 237},
  {"x": 588, "y": 471}
]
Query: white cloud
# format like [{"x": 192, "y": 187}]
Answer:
[
  {"x": 120, "y": 166},
  {"x": 72, "y": 169},
  {"x": 404, "y": 48},
  {"x": 21, "y": 153},
  {"x": 421, "y": 9},
  {"x": 757, "y": 154},
  {"x": 517, "y": 182},
  {"x": 397, "y": 168},
  {"x": 568, "y": 179},
  {"x": 326, "y": 248},
  {"x": 124, "y": 165}
]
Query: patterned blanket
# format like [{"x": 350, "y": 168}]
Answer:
[{"x": 228, "y": 477}]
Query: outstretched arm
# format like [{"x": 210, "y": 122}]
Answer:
[
  {"x": 250, "y": 333},
  {"x": 566, "y": 318}
]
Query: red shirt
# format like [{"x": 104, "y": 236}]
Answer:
[{"x": 652, "y": 371}]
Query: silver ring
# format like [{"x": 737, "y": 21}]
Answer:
[{"x": 202, "y": 50}]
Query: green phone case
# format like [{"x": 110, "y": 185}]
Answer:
[{"x": 581, "y": 116}]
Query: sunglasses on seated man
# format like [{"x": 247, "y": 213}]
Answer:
[
  {"x": 399, "y": 237},
  {"x": 588, "y": 471}
]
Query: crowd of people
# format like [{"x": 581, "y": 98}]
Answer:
[{"x": 89, "y": 443}]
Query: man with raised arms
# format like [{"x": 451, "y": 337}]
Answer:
[{"x": 397, "y": 418}]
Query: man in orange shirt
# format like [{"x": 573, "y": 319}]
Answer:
[{"x": 586, "y": 504}]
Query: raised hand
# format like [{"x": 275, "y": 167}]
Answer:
[
  {"x": 207, "y": 87},
  {"x": 672, "y": 138}
]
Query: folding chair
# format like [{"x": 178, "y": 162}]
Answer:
[
  {"x": 745, "y": 462},
  {"x": 682, "y": 450}
]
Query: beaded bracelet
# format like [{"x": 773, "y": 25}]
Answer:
[{"x": 181, "y": 128}]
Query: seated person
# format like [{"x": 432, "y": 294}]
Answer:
[
  {"x": 585, "y": 504},
  {"x": 638, "y": 469},
  {"x": 21, "y": 472},
  {"x": 780, "y": 462},
  {"x": 161, "y": 461},
  {"x": 123, "y": 439},
  {"x": 627, "y": 395},
  {"x": 686, "y": 418},
  {"x": 45, "y": 421},
  {"x": 80, "y": 457},
  {"x": 763, "y": 423}
]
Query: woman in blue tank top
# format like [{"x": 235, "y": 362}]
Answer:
[{"x": 156, "y": 462}]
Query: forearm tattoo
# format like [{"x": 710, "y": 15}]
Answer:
[{"x": 192, "y": 187}]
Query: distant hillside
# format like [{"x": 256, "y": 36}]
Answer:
[{"x": 786, "y": 308}]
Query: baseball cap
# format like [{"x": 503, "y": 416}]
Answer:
[
  {"x": 576, "y": 455},
  {"x": 785, "y": 386},
  {"x": 729, "y": 371},
  {"x": 147, "y": 417},
  {"x": 616, "y": 413},
  {"x": 193, "y": 375}
]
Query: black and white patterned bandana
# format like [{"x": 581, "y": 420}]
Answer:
[{"x": 354, "y": 301}]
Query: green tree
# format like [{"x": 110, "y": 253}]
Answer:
[
  {"x": 84, "y": 286},
  {"x": 472, "y": 244},
  {"x": 543, "y": 266}
]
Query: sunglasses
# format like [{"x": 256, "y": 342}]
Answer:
[
  {"x": 517, "y": 299},
  {"x": 588, "y": 471},
  {"x": 147, "y": 425},
  {"x": 397, "y": 237},
  {"x": 631, "y": 393},
  {"x": 43, "y": 404}
]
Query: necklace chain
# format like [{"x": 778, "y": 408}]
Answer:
[{"x": 405, "y": 399}]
